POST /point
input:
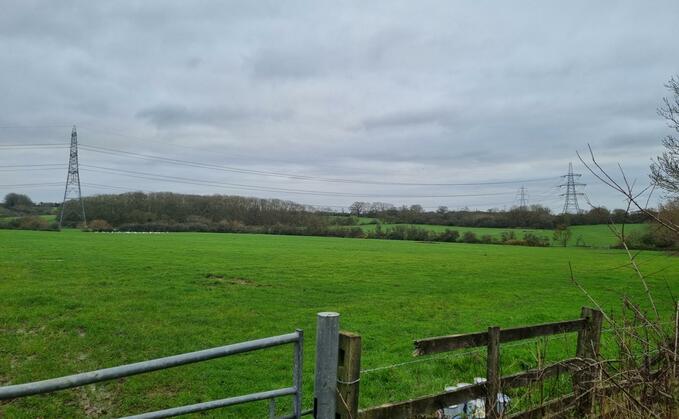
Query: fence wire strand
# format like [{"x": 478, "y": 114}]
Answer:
[{"x": 447, "y": 356}]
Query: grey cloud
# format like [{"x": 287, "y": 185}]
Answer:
[
  {"x": 637, "y": 140},
  {"x": 275, "y": 64},
  {"x": 172, "y": 116},
  {"x": 409, "y": 118}
]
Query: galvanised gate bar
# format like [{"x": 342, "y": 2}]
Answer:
[{"x": 78, "y": 380}]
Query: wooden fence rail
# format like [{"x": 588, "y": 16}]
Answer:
[
  {"x": 582, "y": 368},
  {"x": 440, "y": 344}
]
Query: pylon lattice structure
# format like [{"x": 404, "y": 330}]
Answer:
[
  {"x": 522, "y": 197},
  {"x": 72, "y": 191},
  {"x": 570, "y": 204}
]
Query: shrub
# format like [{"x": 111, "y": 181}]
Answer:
[
  {"x": 400, "y": 232},
  {"x": 417, "y": 233},
  {"x": 197, "y": 219},
  {"x": 32, "y": 223},
  {"x": 230, "y": 226},
  {"x": 396, "y": 233},
  {"x": 507, "y": 236},
  {"x": 449, "y": 236},
  {"x": 648, "y": 239},
  {"x": 562, "y": 234},
  {"x": 378, "y": 231},
  {"x": 29, "y": 223},
  {"x": 99, "y": 225},
  {"x": 533, "y": 240},
  {"x": 580, "y": 242},
  {"x": 344, "y": 220},
  {"x": 469, "y": 237},
  {"x": 487, "y": 239},
  {"x": 355, "y": 232}
]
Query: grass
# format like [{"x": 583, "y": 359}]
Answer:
[
  {"x": 75, "y": 301},
  {"x": 588, "y": 235}
]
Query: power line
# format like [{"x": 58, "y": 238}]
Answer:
[
  {"x": 46, "y": 145},
  {"x": 32, "y": 126},
  {"x": 30, "y": 185},
  {"x": 119, "y": 188},
  {"x": 110, "y": 151},
  {"x": 31, "y": 165},
  {"x": 166, "y": 144},
  {"x": 258, "y": 156},
  {"x": 194, "y": 181},
  {"x": 37, "y": 168},
  {"x": 121, "y": 153}
]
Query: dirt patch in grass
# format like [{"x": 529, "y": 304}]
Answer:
[
  {"x": 242, "y": 281},
  {"x": 32, "y": 331},
  {"x": 216, "y": 279},
  {"x": 95, "y": 400}
]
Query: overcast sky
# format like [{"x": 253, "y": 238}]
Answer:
[{"x": 368, "y": 92}]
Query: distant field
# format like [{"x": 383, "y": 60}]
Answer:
[
  {"x": 74, "y": 301},
  {"x": 590, "y": 235}
]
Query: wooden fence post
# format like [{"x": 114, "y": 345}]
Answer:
[
  {"x": 493, "y": 373},
  {"x": 348, "y": 375},
  {"x": 589, "y": 342},
  {"x": 676, "y": 339}
]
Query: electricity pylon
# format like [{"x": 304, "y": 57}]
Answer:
[
  {"x": 72, "y": 190},
  {"x": 522, "y": 197},
  {"x": 570, "y": 204}
]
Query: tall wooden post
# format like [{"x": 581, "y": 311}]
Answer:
[
  {"x": 589, "y": 342},
  {"x": 493, "y": 373},
  {"x": 348, "y": 375}
]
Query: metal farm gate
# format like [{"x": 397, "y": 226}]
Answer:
[{"x": 78, "y": 380}]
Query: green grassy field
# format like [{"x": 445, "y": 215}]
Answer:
[
  {"x": 588, "y": 235},
  {"x": 74, "y": 301}
]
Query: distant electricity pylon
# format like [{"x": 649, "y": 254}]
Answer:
[
  {"x": 570, "y": 204},
  {"x": 522, "y": 197},
  {"x": 72, "y": 190}
]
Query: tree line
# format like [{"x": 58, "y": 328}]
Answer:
[
  {"x": 17, "y": 205},
  {"x": 172, "y": 212},
  {"x": 533, "y": 216},
  {"x": 171, "y": 209}
]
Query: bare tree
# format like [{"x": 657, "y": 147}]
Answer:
[
  {"x": 358, "y": 208},
  {"x": 377, "y": 207},
  {"x": 646, "y": 376},
  {"x": 627, "y": 189},
  {"x": 562, "y": 235},
  {"x": 665, "y": 168}
]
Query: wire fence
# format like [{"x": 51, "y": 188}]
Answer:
[{"x": 455, "y": 355}]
